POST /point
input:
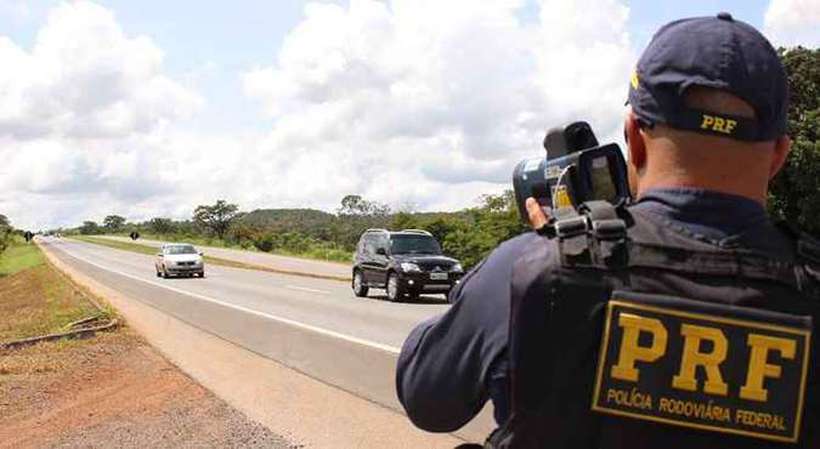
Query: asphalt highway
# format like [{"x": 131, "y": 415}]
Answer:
[
  {"x": 332, "y": 270},
  {"x": 315, "y": 326}
]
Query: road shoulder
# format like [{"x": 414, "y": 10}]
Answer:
[
  {"x": 103, "y": 389},
  {"x": 285, "y": 401}
]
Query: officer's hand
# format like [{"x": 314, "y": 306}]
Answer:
[{"x": 538, "y": 218}]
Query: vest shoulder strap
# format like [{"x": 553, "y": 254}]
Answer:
[
  {"x": 593, "y": 235},
  {"x": 603, "y": 236},
  {"x": 808, "y": 253},
  {"x": 808, "y": 248}
]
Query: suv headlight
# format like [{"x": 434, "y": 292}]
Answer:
[
  {"x": 457, "y": 268},
  {"x": 410, "y": 267}
]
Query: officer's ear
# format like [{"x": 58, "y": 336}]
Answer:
[
  {"x": 635, "y": 143},
  {"x": 782, "y": 147}
]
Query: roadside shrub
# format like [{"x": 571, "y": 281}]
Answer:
[
  {"x": 5, "y": 239},
  {"x": 6, "y": 233},
  {"x": 332, "y": 254},
  {"x": 264, "y": 242},
  {"x": 241, "y": 234},
  {"x": 294, "y": 242}
]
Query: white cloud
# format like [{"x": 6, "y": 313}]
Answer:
[
  {"x": 84, "y": 78},
  {"x": 427, "y": 102},
  {"x": 78, "y": 112},
  {"x": 793, "y": 22},
  {"x": 433, "y": 102}
]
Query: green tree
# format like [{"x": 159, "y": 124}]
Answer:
[
  {"x": 441, "y": 227},
  {"x": 795, "y": 192},
  {"x": 405, "y": 220},
  {"x": 356, "y": 205},
  {"x": 89, "y": 228},
  {"x": 265, "y": 242},
  {"x": 5, "y": 233},
  {"x": 113, "y": 223},
  {"x": 217, "y": 218},
  {"x": 355, "y": 215},
  {"x": 243, "y": 234},
  {"x": 161, "y": 225},
  {"x": 493, "y": 222}
]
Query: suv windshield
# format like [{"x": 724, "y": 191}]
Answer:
[
  {"x": 180, "y": 249},
  {"x": 413, "y": 244}
]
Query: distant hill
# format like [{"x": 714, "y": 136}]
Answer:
[
  {"x": 343, "y": 230},
  {"x": 288, "y": 219},
  {"x": 306, "y": 220},
  {"x": 443, "y": 215}
]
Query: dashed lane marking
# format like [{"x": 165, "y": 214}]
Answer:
[
  {"x": 306, "y": 289},
  {"x": 299, "y": 324}
]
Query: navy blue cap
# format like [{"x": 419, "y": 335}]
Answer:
[{"x": 717, "y": 52}]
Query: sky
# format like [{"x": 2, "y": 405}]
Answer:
[{"x": 148, "y": 109}]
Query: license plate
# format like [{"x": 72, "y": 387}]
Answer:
[{"x": 438, "y": 276}]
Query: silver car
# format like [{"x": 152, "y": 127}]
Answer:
[{"x": 179, "y": 259}]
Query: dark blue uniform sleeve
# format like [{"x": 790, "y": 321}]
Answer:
[{"x": 447, "y": 362}]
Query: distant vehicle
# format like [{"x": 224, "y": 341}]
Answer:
[
  {"x": 179, "y": 259},
  {"x": 405, "y": 263}
]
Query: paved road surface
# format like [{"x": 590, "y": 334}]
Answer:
[
  {"x": 315, "y": 326},
  {"x": 282, "y": 263}
]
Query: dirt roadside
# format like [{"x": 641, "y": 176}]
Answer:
[
  {"x": 292, "y": 404},
  {"x": 112, "y": 390}
]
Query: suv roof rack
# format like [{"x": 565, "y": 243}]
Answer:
[
  {"x": 377, "y": 230},
  {"x": 417, "y": 231}
]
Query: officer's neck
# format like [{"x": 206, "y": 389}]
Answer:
[
  {"x": 720, "y": 169},
  {"x": 667, "y": 182}
]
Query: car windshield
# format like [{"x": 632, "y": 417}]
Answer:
[
  {"x": 180, "y": 249},
  {"x": 414, "y": 244}
]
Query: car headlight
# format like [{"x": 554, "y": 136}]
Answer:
[
  {"x": 410, "y": 267},
  {"x": 457, "y": 268}
]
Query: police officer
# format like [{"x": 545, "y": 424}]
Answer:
[{"x": 682, "y": 320}]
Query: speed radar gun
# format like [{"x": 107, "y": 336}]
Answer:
[{"x": 576, "y": 169}]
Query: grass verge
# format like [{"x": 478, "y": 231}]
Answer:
[
  {"x": 34, "y": 298},
  {"x": 139, "y": 248},
  {"x": 315, "y": 253},
  {"x": 18, "y": 257},
  {"x": 127, "y": 246},
  {"x": 149, "y": 250}
]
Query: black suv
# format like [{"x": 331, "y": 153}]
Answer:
[{"x": 405, "y": 263}]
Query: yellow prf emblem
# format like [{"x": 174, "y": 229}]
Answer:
[
  {"x": 561, "y": 197},
  {"x": 634, "y": 79},
  {"x": 702, "y": 365},
  {"x": 719, "y": 124}
]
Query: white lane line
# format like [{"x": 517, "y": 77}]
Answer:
[
  {"x": 320, "y": 330},
  {"x": 305, "y": 289}
]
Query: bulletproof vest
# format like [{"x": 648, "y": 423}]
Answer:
[{"x": 649, "y": 337}]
